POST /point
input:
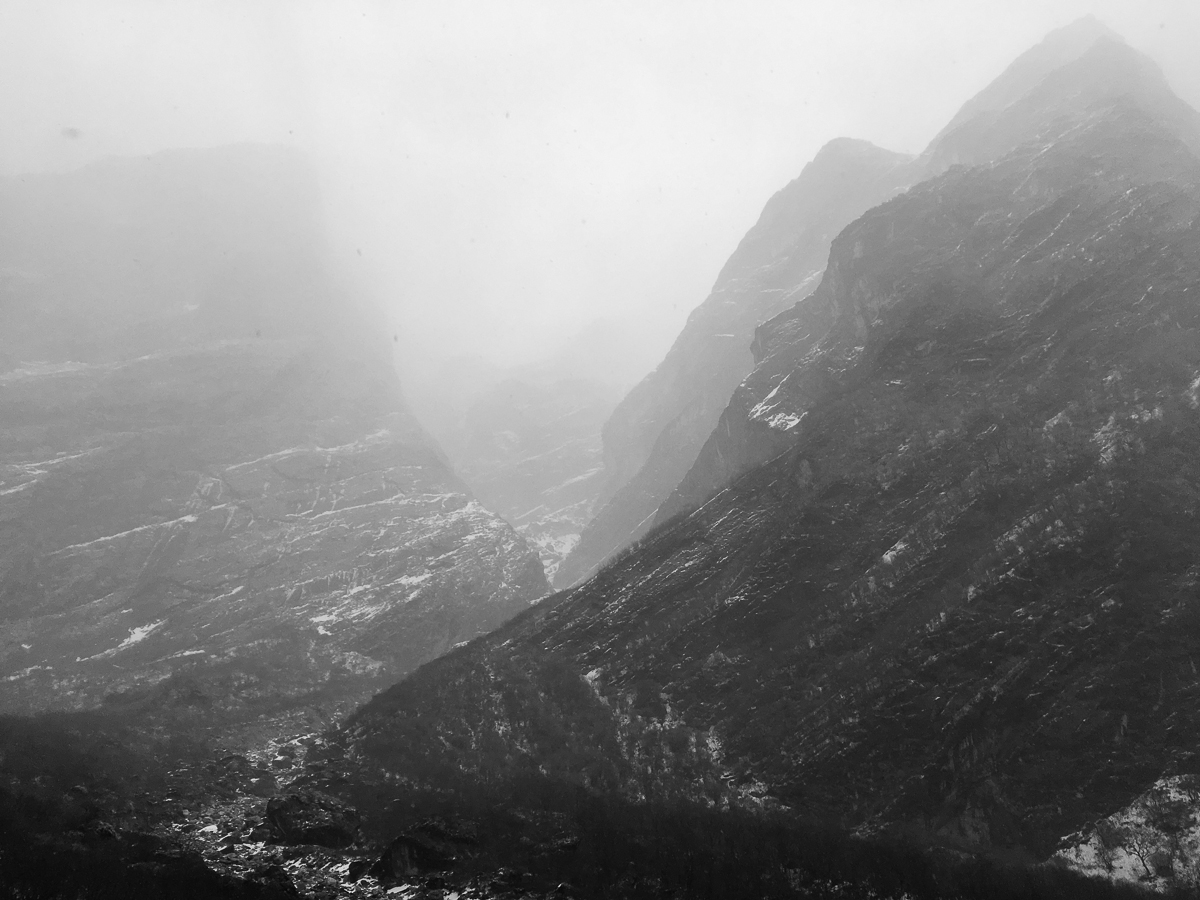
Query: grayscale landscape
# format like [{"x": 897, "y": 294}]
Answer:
[{"x": 489, "y": 451}]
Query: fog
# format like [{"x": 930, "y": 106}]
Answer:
[{"x": 502, "y": 176}]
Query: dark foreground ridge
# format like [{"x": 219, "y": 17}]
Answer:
[{"x": 92, "y": 808}]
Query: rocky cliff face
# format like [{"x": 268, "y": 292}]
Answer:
[
  {"x": 206, "y": 469},
  {"x": 761, "y": 421},
  {"x": 952, "y": 582},
  {"x": 653, "y": 436},
  {"x": 656, "y": 435}
]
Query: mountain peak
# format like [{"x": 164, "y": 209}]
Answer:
[
  {"x": 842, "y": 147},
  {"x": 1070, "y": 73},
  {"x": 1080, "y": 33},
  {"x": 1056, "y": 49}
]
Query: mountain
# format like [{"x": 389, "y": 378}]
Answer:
[
  {"x": 757, "y": 423},
  {"x": 935, "y": 569},
  {"x": 210, "y": 486},
  {"x": 653, "y": 436},
  {"x": 1025, "y": 75}
]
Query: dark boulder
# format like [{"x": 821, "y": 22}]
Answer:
[
  {"x": 409, "y": 855},
  {"x": 234, "y": 762},
  {"x": 433, "y": 845},
  {"x": 273, "y": 881},
  {"x": 260, "y": 783},
  {"x": 359, "y": 868},
  {"x": 310, "y": 817}
]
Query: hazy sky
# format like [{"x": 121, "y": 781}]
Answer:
[{"x": 511, "y": 171}]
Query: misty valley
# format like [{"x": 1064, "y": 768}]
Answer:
[{"x": 883, "y": 582}]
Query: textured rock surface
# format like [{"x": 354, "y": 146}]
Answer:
[
  {"x": 205, "y": 463},
  {"x": 953, "y": 581}
]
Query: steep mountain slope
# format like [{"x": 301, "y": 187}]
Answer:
[
  {"x": 645, "y": 460},
  {"x": 760, "y": 419},
  {"x": 953, "y": 582},
  {"x": 1025, "y": 74},
  {"x": 206, "y": 468},
  {"x": 653, "y": 436}
]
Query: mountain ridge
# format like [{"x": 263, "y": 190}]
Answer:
[
  {"x": 1108, "y": 70},
  {"x": 955, "y": 599},
  {"x": 662, "y": 422},
  {"x": 981, "y": 130}
]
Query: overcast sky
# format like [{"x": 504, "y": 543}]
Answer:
[{"x": 511, "y": 171}]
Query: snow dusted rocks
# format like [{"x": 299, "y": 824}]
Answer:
[
  {"x": 349, "y": 560},
  {"x": 228, "y": 491}
]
